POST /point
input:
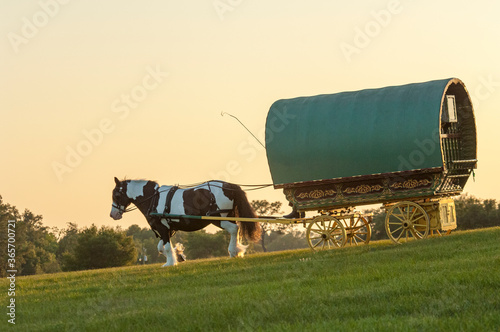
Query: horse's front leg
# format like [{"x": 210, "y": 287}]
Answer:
[
  {"x": 168, "y": 251},
  {"x": 164, "y": 245}
]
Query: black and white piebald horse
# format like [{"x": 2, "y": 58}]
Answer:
[{"x": 214, "y": 198}]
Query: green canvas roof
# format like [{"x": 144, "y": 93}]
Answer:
[{"x": 357, "y": 133}]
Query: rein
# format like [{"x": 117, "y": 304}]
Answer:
[
  {"x": 255, "y": 186},
  {"x": 119, "y": 208}
]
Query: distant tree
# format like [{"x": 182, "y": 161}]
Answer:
[
  {"x": 288, "y": 241},
  {"x": 201, "y": 244},
  {"x": 265, "y": 208},
  {"x": 474, "y": 213},
  {"x": 7, "y": 212},
  {"x": 146, "y": 244},
  {"x": 100, "y": 248},
  {"x": 133, "y": 230},
  {"x": 68, "y": 240},
  {"x": 150, "y": 249},
  {"x": 378, "y": 224},
  {"x": 35, "y": 245},
  {"x": 67, "y": 245}
]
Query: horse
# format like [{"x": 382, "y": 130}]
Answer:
[{"x": 213, "y": 198}]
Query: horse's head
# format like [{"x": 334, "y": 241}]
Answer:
[{"x": 120, "y": 200}]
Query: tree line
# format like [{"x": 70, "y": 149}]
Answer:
[{"x": 41, "y": 249}]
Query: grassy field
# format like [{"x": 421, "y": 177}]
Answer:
[{"x": 439, "y": 284}]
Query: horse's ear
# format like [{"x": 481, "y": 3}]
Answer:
[{"x": 117, "y": 181}]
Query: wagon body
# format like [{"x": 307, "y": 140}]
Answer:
[{"x": 333, "y": 151}]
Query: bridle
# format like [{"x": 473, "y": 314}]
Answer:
[{"x": 123, "y": 210}]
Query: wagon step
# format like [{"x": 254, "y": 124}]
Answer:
[
  {"x": 469, "y": 161},
  {"x": 463, "y": 164},
  {"x": 459, "y": 176}
]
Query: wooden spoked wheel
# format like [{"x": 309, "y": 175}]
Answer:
[
  {"x": 325, "y": 232},
  {"x": 358, "y": 230},
  {"x": 406, "y": 221}
]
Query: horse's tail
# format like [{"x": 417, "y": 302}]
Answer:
[{"x": 250, "y": 230}]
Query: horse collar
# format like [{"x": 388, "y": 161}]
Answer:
[{"x": 154, "y": 201}]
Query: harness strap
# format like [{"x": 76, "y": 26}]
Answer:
[
  {"x": 168, "y": 203},
  {"x": 212, "y": 200},
  {"x": 154, "y": 201},
  {"x": 170, "y": 195}
]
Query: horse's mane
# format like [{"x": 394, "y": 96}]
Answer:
[
  {"x": 181, "y": 186},
  {"x": 138, "y": 180}
]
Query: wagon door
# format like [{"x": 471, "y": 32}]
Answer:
[{"x": 458, "y": 138}]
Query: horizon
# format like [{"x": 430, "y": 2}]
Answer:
[{"x": 94, "y": 90}]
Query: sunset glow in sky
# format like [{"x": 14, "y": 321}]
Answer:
[{"x": 91, "y": 89}]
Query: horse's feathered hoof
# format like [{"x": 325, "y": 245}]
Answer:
[{"x": 160, "y": 246}]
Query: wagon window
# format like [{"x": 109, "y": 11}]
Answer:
[
  {"x": 452, "y": 214},
  {"x": 444, "y": 214},
  {"x": 451, "y": 110}
]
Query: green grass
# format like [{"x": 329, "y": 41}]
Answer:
[{"x": 449, "y": 284}]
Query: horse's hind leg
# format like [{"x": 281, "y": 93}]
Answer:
[{"x": 236, "y": 249}]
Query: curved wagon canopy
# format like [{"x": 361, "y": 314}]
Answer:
[{"x": 419, "y": 128}]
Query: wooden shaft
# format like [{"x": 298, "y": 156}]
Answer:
[{"x": 266, "y": 220}]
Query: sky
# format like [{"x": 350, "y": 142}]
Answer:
[{"x": 90, "y": 90}]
